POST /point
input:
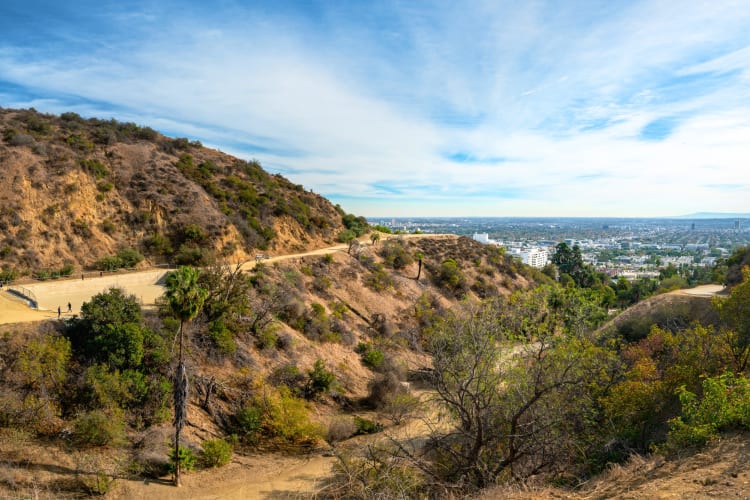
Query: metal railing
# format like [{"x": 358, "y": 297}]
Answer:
[{"x": 25, "y": 294}]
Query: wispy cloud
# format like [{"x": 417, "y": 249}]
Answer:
[{"x": 446, "y": 109}]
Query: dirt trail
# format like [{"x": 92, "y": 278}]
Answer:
[
  {"x": 267, "y": 476},
  {"x": 145, "y": 285},
  {"x": 701, "y": 291}
]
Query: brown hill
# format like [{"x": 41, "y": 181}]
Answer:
[
  {"x": 74, "y": 190},
  {"x": 671, "y": 311}
]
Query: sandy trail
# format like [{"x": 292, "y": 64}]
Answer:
[
  {"x": 147, "y": 286},
  {"x": 701, "y": 291},
  {"x": 267, "y": 476}
]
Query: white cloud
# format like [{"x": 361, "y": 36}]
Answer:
[{"x": 560, "y": 91}]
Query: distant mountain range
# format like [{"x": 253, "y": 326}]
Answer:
[{"x": 714, "y": 215}]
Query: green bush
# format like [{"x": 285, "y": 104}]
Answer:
[
  {"x": 366, "y": 426},
  {"x": 187, "y": 459},
  {"x": 396, "y": 255},
  {"x": 110, "y": 263},
  {"x": 724, "y": 405},
  {"x": 95, "y": 168},
  {"x": 99, "y": 428},
  {"x": 248, "y": 424},
  {"x": 266, "y": 338},
  {"x": 371, "y": 356},
  {"x": 216, "y": 453},
  {"x": 129, "y": 257},
  {"x": 222, "y": 338},
  {"x": 319, "y": 380},
  {"x": 379, "y": 279}
]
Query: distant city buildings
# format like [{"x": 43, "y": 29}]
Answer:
[{"x": 630, "y": 248}]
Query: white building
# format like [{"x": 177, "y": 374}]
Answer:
[
  {"x": 482, "y": 238},
  {"x": 534, "y": 257}
]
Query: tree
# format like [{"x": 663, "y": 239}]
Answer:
[
  {"x": 569, "y": 261},
  {"x": 185, "y": 298},
  {"x": 110, "y": 330},
  {"x": 518, "y": 410},
  {"x": 349, "y": 237},
  {"x": 734, "y": 312},
  {"x": 419, "y": 256},
  {"x": 374, "y": 237}
]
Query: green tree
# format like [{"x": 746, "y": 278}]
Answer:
[
  {"x": 374, "y": 237},
  {"x": 518, "y": 408},
  {"x": 110, "y": 330},
  {"x": 569, "y": 261},
  {"x": 185, "y": 297},
  {"x": 734, "y": 312},
  {"x": 349, "y": 237}
]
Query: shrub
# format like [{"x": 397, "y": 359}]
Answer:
[
  {"x": 288, "y": 375},
  {"x": 266, "y": 338},
  {"x": 110, "y": 263},
  {"x": 372, "y": 357},
  {"x": 319, "y": 380},
  {"x": 216, "y": 453},
  {"x": 248, "y": 421},
  {"x": 366, "y": 426},
  {"x": 222, "y": 338},
  {"x": 108, "y": 226},
  {"x": 383, "y": 388},
  {"x": 379, "y": 279},
  {"x": 395, "y": 255},
  {"x": 399, "y": 406},
  {"x": 450, "y": 276},
  {"x": 95, "y": 168},
  {"x": 285, "y": 417},
  {"x": 99, "y": 428},
  {"x": 186, "y": 457},
  {"x": 340, "y": 428},
  {"x": 129, "y": 257},
  {"x": 91, "y": 476},
  {"x": 725, "y": 405}
]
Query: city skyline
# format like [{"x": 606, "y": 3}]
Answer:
[{"x": 426, "y": 109}]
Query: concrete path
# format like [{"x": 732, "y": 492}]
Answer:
[{"x": 147, "y": 286}]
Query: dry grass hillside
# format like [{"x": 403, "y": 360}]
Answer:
[
  {"x": 360, "y": 314},
  {"x": 74, "y": 190}
]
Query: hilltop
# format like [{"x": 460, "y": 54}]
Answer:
[{"x": 74, "y": 191}]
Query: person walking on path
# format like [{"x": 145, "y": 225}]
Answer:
[
  {"x": 70, "y": 307},
  {"x": 59, "y": 312}
]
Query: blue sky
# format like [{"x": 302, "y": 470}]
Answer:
[{"x": 407, "y": 108}]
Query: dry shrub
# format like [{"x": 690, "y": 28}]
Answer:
[
  {"x": 152, "y": 452},
  {"x": 340, "y": 428},
  {"x": 384, "y": 387}
]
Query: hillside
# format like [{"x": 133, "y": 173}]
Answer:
[
  {"x": 74, "y": 191},
  {"x": 673, "y": 311},
  {"x": 362, "y": 314}
]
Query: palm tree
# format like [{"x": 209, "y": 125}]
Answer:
[
  {"x": 419, "y": 256},
  {"x": 185, "y": 299}
]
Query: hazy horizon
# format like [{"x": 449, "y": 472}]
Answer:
[
  {"x": 697, "y": 215},
  {"x": 587, "y": 108}
]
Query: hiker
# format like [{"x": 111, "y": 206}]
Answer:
[
  {"x": 59, "y": 312},
  {"x": 70, "y": 307}
]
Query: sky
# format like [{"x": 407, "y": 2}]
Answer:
[{"x": 411, "y": 108}]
